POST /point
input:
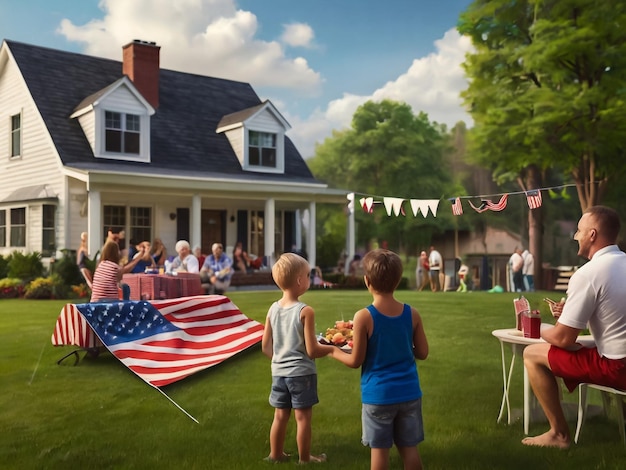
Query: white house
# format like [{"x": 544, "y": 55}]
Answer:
[{"x": 89, "y": 143}]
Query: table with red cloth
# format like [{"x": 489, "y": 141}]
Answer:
[{"x": 163, "y": 286}]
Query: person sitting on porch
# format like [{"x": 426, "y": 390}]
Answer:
[
  {"x": 185, "y": 261},
  {"x": 241, "y": 260},
  {"x": 217, "y": 270}
]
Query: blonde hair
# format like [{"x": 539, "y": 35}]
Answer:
[{"x": 287, "y": 268}]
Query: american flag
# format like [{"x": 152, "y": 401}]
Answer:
[
  {"x": 167, "y": 340},
  {"x": 533, "y": 197},
  {"x": 486, "y": 204},
  {"x": 457, "y": 207}
]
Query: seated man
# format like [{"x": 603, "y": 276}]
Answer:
[{"x": 217, "y": 270}]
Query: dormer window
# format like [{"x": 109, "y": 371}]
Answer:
[
  {"x": 122, "y": 133},
  {"x": 262, "y": 149}
]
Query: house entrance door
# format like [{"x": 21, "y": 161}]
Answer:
[{"x": 213, "y": 229}]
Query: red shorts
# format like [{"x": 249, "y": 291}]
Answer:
[{"x": 587, "y": 366}]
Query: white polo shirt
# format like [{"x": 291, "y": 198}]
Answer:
[{"x": 596, "y": 297}]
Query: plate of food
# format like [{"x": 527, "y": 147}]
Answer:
[{"x": 340, "y": 335}]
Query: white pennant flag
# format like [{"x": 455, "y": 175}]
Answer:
[
  {"x": 393, "y": 203},
  {"x": 433, "y": 204},
  {"x": 424, "y": 205}
]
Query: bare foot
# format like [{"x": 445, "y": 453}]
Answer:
[
  {"x": 548, "y": 439},
  {"x": 321, "y": 458}
]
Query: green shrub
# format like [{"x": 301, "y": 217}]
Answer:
[
  {"x": 11, "y": 288},
  {"x": 67, "y": 269},
  {"x": 4, "y": 267},
  {"x": 50, "y": 287},
  {"x": 25, "y": 267}
]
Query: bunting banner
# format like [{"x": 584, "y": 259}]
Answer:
[
  {"x": 487, "y": 205},
  {"x": 533, "y": 197}
]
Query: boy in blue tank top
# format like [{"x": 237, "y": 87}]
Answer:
[
  {"x": 289, "y": 341},
  {"x": 387, "y": 337}
]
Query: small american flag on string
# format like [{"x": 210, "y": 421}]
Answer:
[
  {"x": 533, "y": 196},
  {"x": 486, "y": 205},
  {"x": 457, "y": 207},
  {"x": 167, "y": 340}
]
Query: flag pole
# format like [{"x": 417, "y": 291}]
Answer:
[{"x": 176, "y": 404}]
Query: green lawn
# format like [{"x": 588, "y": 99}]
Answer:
[{"x": 99, "y": 415}]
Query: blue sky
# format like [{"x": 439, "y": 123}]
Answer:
[{"x": 316, "y": 60}]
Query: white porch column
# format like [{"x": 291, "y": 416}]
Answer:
[
  {"x": 196, "y": 221},
  {"x": 269, "y": 231},
  {"x": 310, "y": 242},
  {"x": 298, "y": 216},
  {"x": 94, "y": 222}
]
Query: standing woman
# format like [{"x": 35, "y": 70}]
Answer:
[{"x": 81, "y": 256}]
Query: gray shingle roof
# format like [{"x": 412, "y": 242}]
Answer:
[{"x": 183, "y": 136}]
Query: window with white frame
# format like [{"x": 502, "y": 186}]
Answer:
[
  {"x": 113, "y": 216},
  {"x": 18, "y": 227},
  {"x": 16, "y": 135},
  {"x": 141, "y": 224},
  {"x": 48, "y": 230},
  {"x": 3, "y": 228},
  {"x": 262, "y": 149},
  {"x": 122, "y": 133},
  {"x": 139, "y": 218}
]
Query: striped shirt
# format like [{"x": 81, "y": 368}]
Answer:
[{"x": 105, "y": 281}]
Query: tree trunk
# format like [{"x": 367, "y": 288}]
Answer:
[{"x": 535, "y": 226}]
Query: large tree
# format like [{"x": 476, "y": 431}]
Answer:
[
  {"x": 547, "y": 90},
  {"x": 388, "y": 151}
]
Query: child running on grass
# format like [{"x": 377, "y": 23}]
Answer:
[
  {"x": 289, "y": 341},
  {"x": 387, "y": 337}
]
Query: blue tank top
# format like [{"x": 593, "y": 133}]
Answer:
[{"x": 389, "y": 373}]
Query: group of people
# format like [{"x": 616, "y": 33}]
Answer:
[
  {"x": 215, "y": 269},
  {"x": 522, "y": 266},
  {"x": 428, "y": 270},
  {"x": 388, "y": 336}
]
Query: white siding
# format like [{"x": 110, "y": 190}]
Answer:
[
  {"x": 88, "y": 123},
  {"x": 265, "y": 122},
  {"x": 39, "y": 163},
  {"x": 235, "y": 137}
]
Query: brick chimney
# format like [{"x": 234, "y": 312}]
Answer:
[{"x": 141, "y": 64}]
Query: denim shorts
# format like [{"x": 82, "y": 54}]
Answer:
[
  {"x": 400, "y": 423},
  {"x": 294, "y": 392}
]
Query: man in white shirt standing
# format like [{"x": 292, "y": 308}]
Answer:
[{"x": 436, "y": 263}]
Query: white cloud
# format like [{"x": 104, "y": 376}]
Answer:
[
  {"x": 208, "y": 37},
  {"x": 298, "y": 35},
  {"x": 431, "y": 84},
  {"x": 214, "y": 38}
]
